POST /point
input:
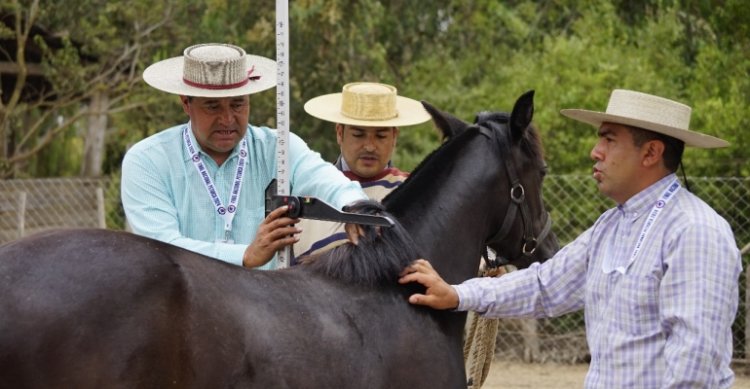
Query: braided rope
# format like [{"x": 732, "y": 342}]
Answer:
[{"x": 479, "y": 345}]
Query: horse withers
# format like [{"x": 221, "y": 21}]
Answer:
[{"x": 98, "y": 308}]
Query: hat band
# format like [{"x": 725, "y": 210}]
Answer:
[
  {"x": 244, "y": 82},
  {"x": 215, "y": 87}
]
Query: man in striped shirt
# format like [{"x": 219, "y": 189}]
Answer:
[
  {"x": 657, "y": 276},
  {"x": 368, "y": 116}
]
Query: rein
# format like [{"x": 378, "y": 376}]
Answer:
[{"x": 517, "y": 195}]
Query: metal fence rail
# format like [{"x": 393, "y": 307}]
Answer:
[{"x": 32, "y": 205}]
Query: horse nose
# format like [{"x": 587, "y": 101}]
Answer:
[{"x": 548, "y": 247}]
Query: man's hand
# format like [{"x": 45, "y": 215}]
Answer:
[
  {"x": 439, "y": 294},
  {"x": 275, "y": 232},
  {"x": 353, "y": 232}
]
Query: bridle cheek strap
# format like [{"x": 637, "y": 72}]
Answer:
[{"x": 518, "y": 196}]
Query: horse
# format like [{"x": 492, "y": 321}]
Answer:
[{"x": 100, "y": 308}]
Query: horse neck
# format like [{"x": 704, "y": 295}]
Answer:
[{"x": 448, "y": 212}]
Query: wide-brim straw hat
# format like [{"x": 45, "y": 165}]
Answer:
[
  {"x": 648, "y": 112},
  {"x": 212, "y": 70},
  {"x": 368, "y": 104}
]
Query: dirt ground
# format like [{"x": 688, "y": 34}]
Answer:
[{"x": 516, "y": 375}]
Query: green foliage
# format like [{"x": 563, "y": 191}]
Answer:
[
  {"x": 61, "y": 158},
  {"x": 462, "y": 56}
]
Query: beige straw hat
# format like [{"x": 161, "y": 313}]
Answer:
[
  {"x": 212, "y": 70},
  {"x": 649, "y": 112},
  {"x": 368, "y": 104}
]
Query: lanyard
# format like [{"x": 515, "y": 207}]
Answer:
[
  {"x": 227, "y": 214},
  {"x": 655, "y": 211}
]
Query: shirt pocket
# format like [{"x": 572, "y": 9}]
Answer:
[{"x": 636, "y": 305}]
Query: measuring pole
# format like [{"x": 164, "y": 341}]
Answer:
[{"x": 282, "y": 112}]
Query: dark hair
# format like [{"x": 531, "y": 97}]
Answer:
[
  {"x": 378, "y": 259},
  {"x": 673, "y": 147}
]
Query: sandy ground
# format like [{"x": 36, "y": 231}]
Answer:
[{"x": 516, "y": 375}]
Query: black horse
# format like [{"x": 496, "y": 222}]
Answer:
[{"x": 97, "y": 308}]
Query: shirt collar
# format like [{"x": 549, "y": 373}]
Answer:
[
  {"x": 642, "y": 202},
  {"x": 344, "y": 167}
]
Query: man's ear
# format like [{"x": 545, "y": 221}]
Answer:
[
  {"x": 339, "y": 133},
  {"x": 653, "y": 153},
  {"x": 185, "y": 104}
]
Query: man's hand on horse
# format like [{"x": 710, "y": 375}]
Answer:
[
  {"x": 439, "y": 294},
  {"x": 275, "y": 232}
]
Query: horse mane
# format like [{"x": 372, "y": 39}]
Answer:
[
  {"x": 379, "y": 257},
  {"x": 423, "y": 169}
]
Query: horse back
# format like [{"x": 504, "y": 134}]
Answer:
[
  {"x": 83, "y": 308},
  {"x": 97, "y": 308},
  {"x": 303, "y": 330}
]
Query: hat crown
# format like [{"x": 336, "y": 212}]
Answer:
[
  {"x": 215, "y": 66},
  {"x": 369, "y": 101},
  {"x": 649, "y": 108}
]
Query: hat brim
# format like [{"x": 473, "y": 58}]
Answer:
[
  {"x": 166, "y": 76},
  {"x": 328, "y": 107},
  {"x": 691, "y": 138}
]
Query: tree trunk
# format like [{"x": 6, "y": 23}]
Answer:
[{"x": 93, "y": 151}]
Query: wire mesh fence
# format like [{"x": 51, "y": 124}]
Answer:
[
  {"x": 33, "y": 205},
  {"x": 28, "y": 206}
]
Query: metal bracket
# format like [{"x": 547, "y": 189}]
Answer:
[{"x": 313, "y": 208}]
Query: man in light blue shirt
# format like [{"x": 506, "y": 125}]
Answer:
[
  {"x": 201, "y": 185},
  {"x": 657, "y": 276}
]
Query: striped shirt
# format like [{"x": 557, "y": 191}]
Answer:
[
  {"x": 164, "y": 196},
  {"x": 666, "y": 322},
  {"x": 318, "y": 236}
]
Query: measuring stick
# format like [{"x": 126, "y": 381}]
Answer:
[{"x": 282, "y": 112}]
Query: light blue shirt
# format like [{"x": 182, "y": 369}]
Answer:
[
  {"x": 164, "y": 197},
  {"x": 666, "y": 322}
]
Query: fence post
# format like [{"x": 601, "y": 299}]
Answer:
[
  {"x": 530, "y": 340},
  {"x": 100, "y": 207},
  {"x": 21, "y": 214},
  {"x": 744, "y": 251}
]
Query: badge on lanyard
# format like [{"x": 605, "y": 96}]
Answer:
[{"x": 226, "y": 213}]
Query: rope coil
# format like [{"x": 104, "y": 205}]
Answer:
[{"x": 481, "y": 336}]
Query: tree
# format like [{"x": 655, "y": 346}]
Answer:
[
  {"x": 85, "y": 73},
  {"x": 462, "y": 56}
]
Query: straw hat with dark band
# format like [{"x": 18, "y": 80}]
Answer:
[
  {"x": 212, "y": 70},
  {"x": 368, "y": 104},
  {"x": 649, "y": 112}
]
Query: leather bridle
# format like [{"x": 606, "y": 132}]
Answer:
[{"x": 530, "y": 242}]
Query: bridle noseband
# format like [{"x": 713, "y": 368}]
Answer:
[{"x": 517, "y": 191}]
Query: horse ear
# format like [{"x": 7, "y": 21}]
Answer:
[
  {"x": 523, "y": 111},
  {"x": 448, "y": 124}
]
